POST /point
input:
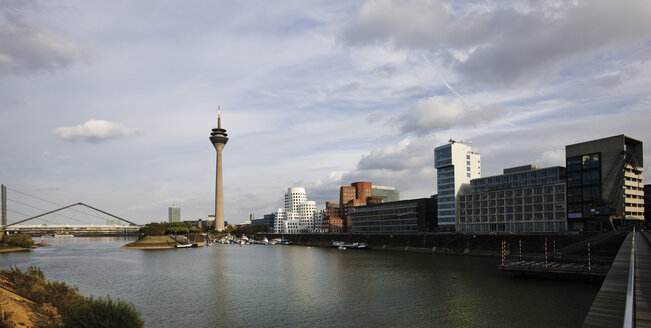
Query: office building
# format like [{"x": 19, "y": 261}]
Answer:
[
  {"x": 523, "y": 199},
  {"x": 604, "y": 183},
  {"x": 405, "y": 216},
  {"x": 456, "y": 164},
  {"x": 387, "y": 194},
  {"x": 266, "y": 221},
  {"x": 174, "y": 213},
  {"x": 357, "y": 194}
]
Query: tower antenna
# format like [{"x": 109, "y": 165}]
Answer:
[{"x": 219, "y": 117}]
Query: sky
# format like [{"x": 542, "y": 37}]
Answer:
[{"x": 111, "y": 103}]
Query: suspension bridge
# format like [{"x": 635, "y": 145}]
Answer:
[{"x": 78, "y": 219}]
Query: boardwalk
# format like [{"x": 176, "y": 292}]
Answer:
[{"x": 609, "y": 307}]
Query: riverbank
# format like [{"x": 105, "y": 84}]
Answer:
[
  {"x": 21, "y": 249},
  {"x": 16, "y": 310},
  {"x": 155, "y": 242}
]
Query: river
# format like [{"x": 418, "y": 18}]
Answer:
[{"x": 296, "y": 286}]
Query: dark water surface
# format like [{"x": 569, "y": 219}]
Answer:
[{"x": 294, "y": 286}]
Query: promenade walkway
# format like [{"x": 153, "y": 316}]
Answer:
[{"x": 609, "y": 308}]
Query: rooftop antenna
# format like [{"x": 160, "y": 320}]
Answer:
[{"x": 459, "y": 141}]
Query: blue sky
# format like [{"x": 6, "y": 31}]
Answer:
[{"x": 111, "y": 102}]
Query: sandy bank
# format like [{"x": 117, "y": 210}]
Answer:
[{"x": 154, "y": 242}]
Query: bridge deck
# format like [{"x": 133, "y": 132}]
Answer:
[{"x": 608, "y": 308}]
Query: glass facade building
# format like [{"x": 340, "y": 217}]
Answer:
[
  {"x": 604, "y": 183},
  {"x": 524, "y": 199},
  {"x": 405, "y": 216}
]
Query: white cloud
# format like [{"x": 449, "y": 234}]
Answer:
[
  {"x": 444, "y": 112},
  {"x": 94, "y": 131}
]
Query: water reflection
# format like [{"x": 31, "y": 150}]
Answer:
[{"x": 273, "y": 286}]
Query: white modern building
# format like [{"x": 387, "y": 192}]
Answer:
[
  {"x": 456, "y": 164},
  {"x": 299, "y": 214},
  {"x": 174, "y": 213}
]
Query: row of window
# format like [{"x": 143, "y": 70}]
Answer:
[
  {"x": 513, "y": 217},
  {"x": 514, "y": 209}
]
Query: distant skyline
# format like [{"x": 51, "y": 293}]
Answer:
[{"x": 112, "y": 103}]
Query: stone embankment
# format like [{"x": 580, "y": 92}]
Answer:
[{"x": 461, "y": 244}]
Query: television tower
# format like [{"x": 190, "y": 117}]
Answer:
[{"x": 219, "y": 138}]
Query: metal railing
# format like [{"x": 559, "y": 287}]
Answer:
[{"x": 629, "y": 312}]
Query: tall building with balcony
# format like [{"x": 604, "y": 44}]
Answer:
[
  {"x": 604, "y": 183},
  {"x": 456, "y": 164},
  {"x": 523, "y": 199}
]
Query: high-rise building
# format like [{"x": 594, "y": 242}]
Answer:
[
  {"x": 604, "y": 183},
  {"x": 456, "y": 164},
  {"x": 387, "y": 194},
  {"x": 219, "y": 138},
  {"x": 524, "y": 199},
  {"x": 174, "y": 213}
]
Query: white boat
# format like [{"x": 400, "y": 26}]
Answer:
[
  {"x": 185, "y": 245},
  {"x": 64, "y": 236},
  {"x": 265, "y": 241}
]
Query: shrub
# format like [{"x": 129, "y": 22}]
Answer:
[{"x": 104, "y": 313}]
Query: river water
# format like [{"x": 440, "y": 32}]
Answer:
[{"x": 295, "y": 286}]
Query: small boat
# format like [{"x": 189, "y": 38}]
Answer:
[
  {"x": 286, "y": 242},
  {"x": 186, "y": 245},
  {"x": 341, "y": 247},
  {"x": 264, "y": 241},
  {"x": 63, "y": 236}
]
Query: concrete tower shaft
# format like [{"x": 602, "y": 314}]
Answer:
[{"x": 219, "y": 138}]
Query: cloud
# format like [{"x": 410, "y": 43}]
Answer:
[
  {"x": 493, "y": 44},
  {"x": 94, "y": 131},
  {"x": 444, "y": 112},
  {"x": 33, "y": 49}
]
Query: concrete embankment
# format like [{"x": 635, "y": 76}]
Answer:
[{"x": 462, "y": 244}]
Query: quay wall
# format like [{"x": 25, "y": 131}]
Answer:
[{"x": 462, "y": 244}]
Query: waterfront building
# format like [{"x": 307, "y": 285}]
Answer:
[
  {"x": 299, "y": 214},
  {"x": 456, "y": 164},
  {"x": 523, "y": 199},
  {"x": 405, "y": 216},
  {"x": 387, "y": 194},
  {"x": 357, "y": 194},
  {"x": 266, "y": 221},
  {"x": 174, "y": 213},
  {"x": 219, "y": 138},
  {"x": 604, "y": 183}
]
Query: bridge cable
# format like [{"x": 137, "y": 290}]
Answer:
[
  {"x": 57, "y": 204},
  {"x": 40, "y": 209}
]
